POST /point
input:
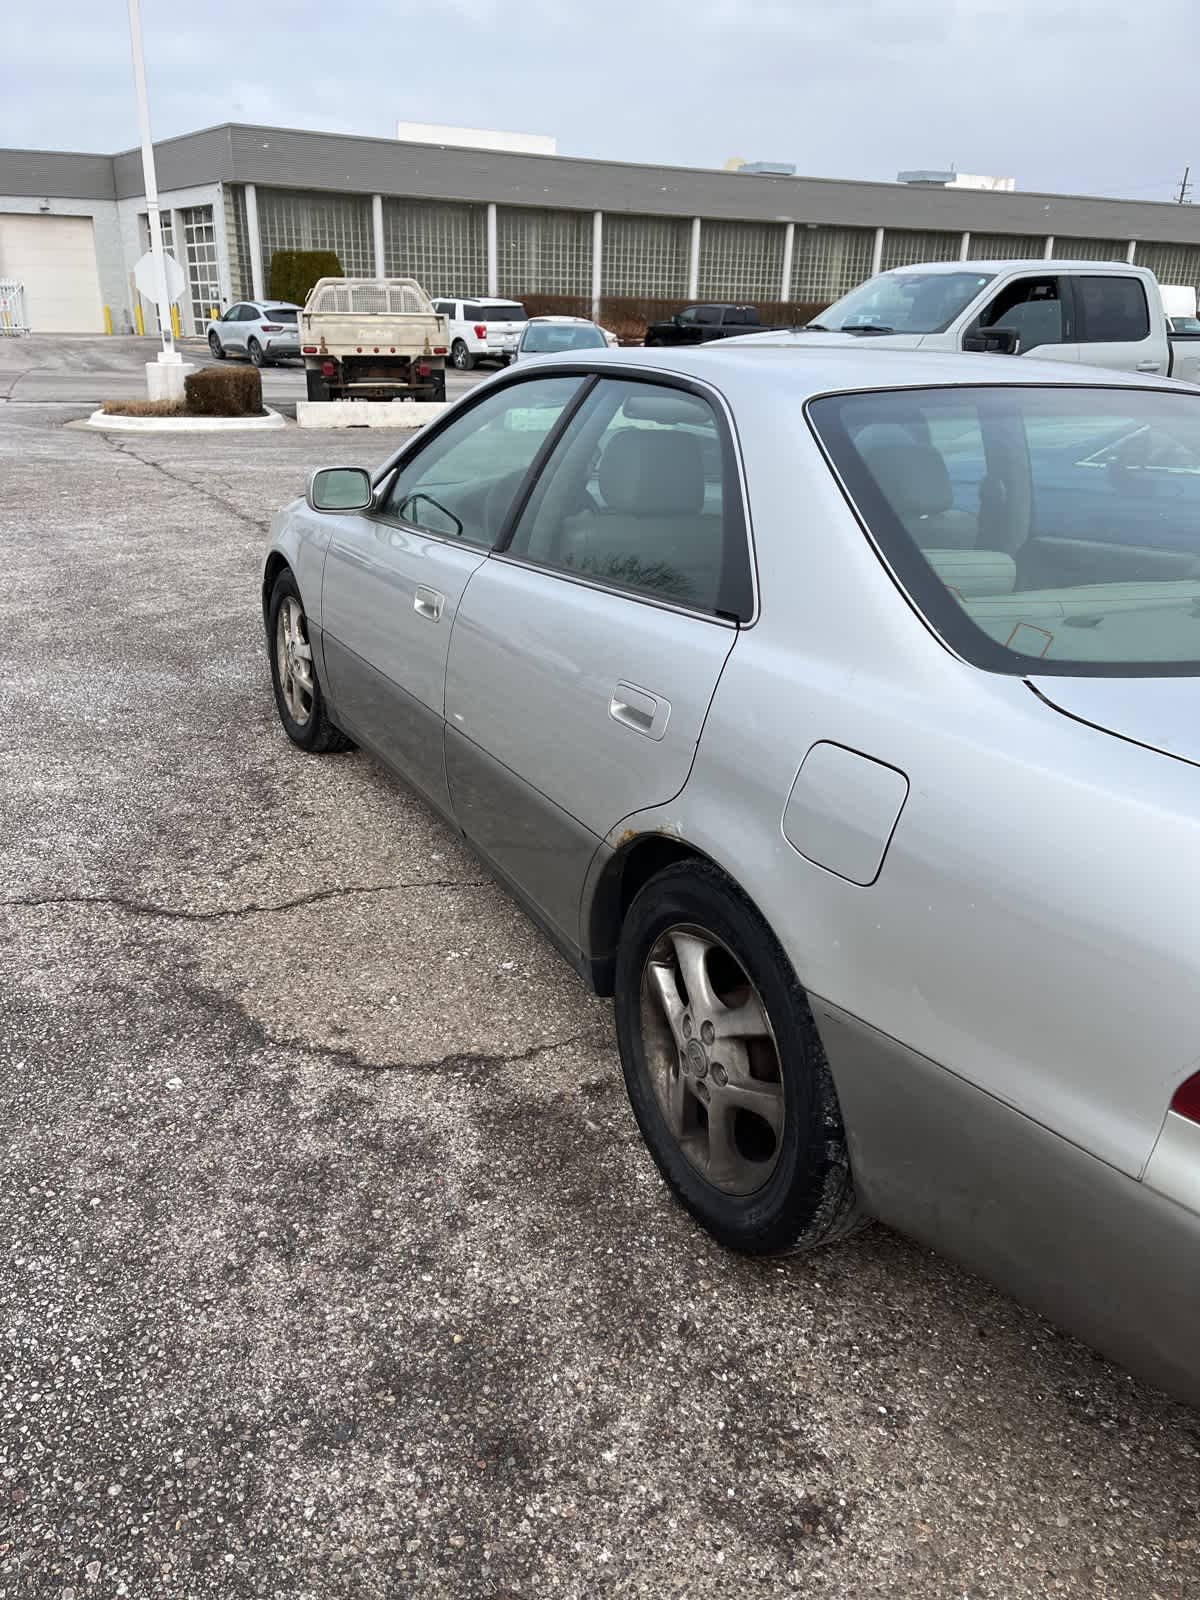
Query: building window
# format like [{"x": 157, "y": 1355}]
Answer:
[
  {"x": 237, "y": 243},
  {"x": 1005, "y": 246},
  {"x": 828, "y": 262},
  {"x": 204, "y": 285},
  {"x": 440, "y": 243},
  {"x": 1066, "y": 249},
  {"x": 740, "y": 261},
  {"x": 296, "y": 219},
  {"x": 645, "y": 256},
  {"x": 902, "y": 247},
  {"x": 1171, "y": 263},
  {"x": 543, "y": 252}
]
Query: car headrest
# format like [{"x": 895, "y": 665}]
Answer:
[
  {"x": 650, "y": 474},
  {"x": 913, "y": 477}
]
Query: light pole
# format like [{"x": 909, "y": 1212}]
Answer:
[{"x": 164, "y": 378}]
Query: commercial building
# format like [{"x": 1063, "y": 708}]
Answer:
[{"x": 475, "y": 221}]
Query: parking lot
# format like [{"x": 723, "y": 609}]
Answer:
[{"x": 334, "y": 1264}]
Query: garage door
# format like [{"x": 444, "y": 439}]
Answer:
[{"x": 55, "y": 258}]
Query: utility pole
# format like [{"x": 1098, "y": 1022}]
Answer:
[
  {"x": 1185, "y": 185},
  {"x": 164, "y": 378}
]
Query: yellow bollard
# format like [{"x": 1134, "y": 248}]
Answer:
[
  {"x": 175, "y": 323},
  {"x": 214, "y": 312},
  {"x": 108, "y": 319},
  {"x": 139, "y": 320}
]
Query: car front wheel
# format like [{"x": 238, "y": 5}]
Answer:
[
  {"x": 725, "y": 1070},
  {"x": 298, "y": 697}
]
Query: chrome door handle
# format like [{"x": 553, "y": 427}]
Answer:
[
  {"x": 640, "y": 710},
  {"x": 1148, "y": 366},
  {"x": 428, "y": 603}
]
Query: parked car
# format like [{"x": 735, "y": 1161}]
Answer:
[
  {"x": 703, "y": 324},
  {"x": 556, "y": 335},
  {"x": 482, "y": 329},
  {"x": 266, "y": 331},
  {"x": 881, "y": 827},
  {"x": 1096, "y": 313}
]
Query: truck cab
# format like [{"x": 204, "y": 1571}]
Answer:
[{"x": 1099, "y": 313}]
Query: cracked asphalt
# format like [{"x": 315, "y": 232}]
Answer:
[{"x": 332, "y": 1263}]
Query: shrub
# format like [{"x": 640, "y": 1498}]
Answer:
[
  {"x": 224, "y": 392},
  {"x": 293, "y": 272},
  {"x": 143, "y": 408},
  {"x": 629, "y": 315}
]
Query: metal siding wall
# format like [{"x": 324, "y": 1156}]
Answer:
[
  {"x": 443, "y": 245},
  {"x": 291, "y": 219},
  {"x": 645, "y": 256},
  {"x": 1171, "y": 263},
  {"x": 1067, "y": 249},
  {"x": 1005, "y": 246},
  {"x": 740, "y": 260},
  {"x": 902, "y": 247},
  {"x": 828, "y": 262},
  {"x": 543, "y": 252},
  {"x": 55, "y": 174}
]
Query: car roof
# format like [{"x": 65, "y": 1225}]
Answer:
[
  {"x": 274, "y": 305},
  {"x": 1031, "y": 263},
  {"x": 816, "y": 364},
  {"x": 554, "y": 317}
]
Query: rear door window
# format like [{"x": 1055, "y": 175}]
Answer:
[{"x": 1112, "y": 310}]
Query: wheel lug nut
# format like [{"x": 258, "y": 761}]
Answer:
[
  {"x": 687, "y": 1027},
  {"x": 702, "y": 1091},
  {"x": 718, "y": 1075},
  {"x": 708, "y": 1033}
]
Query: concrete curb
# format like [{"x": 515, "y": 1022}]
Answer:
[
  {"x": 182, "y": 424},
  {"x": 368, "y": 413}
]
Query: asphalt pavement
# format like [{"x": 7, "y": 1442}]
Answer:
[
  {"x": 46, "y": 370},
  {"x": 333, "y": 1265}
]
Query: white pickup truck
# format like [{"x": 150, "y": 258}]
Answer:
[
  {"x": 1099, "y": 313},
  {"x": 373, "y": 339}
]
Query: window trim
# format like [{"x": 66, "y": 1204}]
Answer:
[
  {"x": 736, "y": 533},
  {"x": 988, "y": 656}
]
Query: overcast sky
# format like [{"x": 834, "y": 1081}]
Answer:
[{"x": 1092, "y": 96}]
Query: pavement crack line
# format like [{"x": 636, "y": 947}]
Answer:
[
  {"x": 124, "y": 447},
  {"x": 147, "y": 908},
  {"x": 461, "y": 1061},
  {"x": 24, "y": 373}
]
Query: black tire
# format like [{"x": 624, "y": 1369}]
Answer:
[
  {"x": 460, "y": 357},
  {"x": 255, "y": 351},
  {"x": 653, "y": 344},
  {"x": 808, "y": 1197},
  {"x": 316, "y": 734},
  {"x": 215, "y": 345},
  {"x": 317, "y": 384},
  {"x": 437, "y": 384}
]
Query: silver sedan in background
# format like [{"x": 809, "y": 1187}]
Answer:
[
  {"x": 264, "y": 331},
  {"x": 837, "y": 713}
]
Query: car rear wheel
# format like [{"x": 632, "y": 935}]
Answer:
[
  {"x": 255, "y": 351},
  {"x": 725, "y": 1070},
  {"x": 298, "y": 697},
  {"x": 215, "y": 345},
  {"x": 461, "y": 357}
]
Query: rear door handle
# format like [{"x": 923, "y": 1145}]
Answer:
[
  {"x": 640, "y": 710},
  {"x": 1148, "y": 366},
  {"x": 428, "y": 603}
]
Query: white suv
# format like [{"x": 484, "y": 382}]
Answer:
[{"x": 482, "y": 329}]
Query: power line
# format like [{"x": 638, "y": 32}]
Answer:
[{"x": 1184, "y": 188}]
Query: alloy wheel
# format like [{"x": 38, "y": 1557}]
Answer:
[
  {"x": 712, "y": 1056},
  {"x": 293, "y": 660}
]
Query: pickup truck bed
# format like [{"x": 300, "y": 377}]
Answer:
[{"x": 373, "y": 339}]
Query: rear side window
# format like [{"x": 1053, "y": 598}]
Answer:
[
  {"x": 1112, "y": 310},
  {"x": 640, "y": 494}
]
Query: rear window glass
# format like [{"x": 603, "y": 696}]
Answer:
[
  {"x": 280, "y": 314},
  {"x": 494, "y": 313},
  {"x": 1054, "y": 530}
]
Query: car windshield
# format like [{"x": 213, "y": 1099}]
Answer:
[
  {"x": 546, "y": 338},
  {"x": 280, "y": 314},
  {"x": 904, "y": 302},
  {"x": 1048, "y": 530}
]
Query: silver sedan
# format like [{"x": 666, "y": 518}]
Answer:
[{"x": 836, "y": 711}]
